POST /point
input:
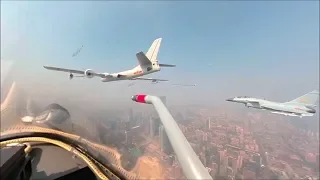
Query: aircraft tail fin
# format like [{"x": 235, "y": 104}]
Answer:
[
  {"x": 309, "y": 99},
  {"x": 154, "y": 50}
]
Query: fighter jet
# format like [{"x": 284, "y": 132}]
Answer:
[{"x": 302, "y": 106}]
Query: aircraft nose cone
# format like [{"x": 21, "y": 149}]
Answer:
[
  {"x": 134, "y": 98},
  {"x": 230, "y": 99}
]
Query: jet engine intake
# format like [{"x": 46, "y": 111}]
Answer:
[{"x": 89, "y": 73}]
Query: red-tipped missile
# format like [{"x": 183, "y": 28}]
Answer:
[{"x": 139, "y": 98}]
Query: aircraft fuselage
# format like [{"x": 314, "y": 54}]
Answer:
[
  {"x": 288, "y": 109},
  {"x": 130, "y": 74}
]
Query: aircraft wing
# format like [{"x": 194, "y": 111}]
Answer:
[
  {"x": 64, "y": 70},
  {"x": 73, "y": 71},
  {"x": 150, "y": 79},
  {"x": 286, "y": 114}
]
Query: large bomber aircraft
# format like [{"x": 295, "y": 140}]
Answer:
[
  {"x": 302, "y": 106},
  {"x": 148, "y": 64}
]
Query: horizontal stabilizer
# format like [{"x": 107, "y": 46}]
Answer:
[
  {"x": 149, "y": 79},
  {"x": 167, "y": 65}
]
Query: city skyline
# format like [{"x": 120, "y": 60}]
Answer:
[{"x": 230, "y": 145}]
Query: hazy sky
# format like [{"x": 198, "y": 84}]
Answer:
[
  {"x": 265, "y": 49},
  {"x": 5, "y": 68}
]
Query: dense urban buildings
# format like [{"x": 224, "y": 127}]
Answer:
[{"x": 230, "y": 145}]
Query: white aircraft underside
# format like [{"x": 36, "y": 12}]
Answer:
[
  {"x": 148, "y": 64},
  {"x": 291, "y": 114}
]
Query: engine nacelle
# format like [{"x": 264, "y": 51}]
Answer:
[
  {"x": 70, "y": 76},
  {"x": 89, "y": 73},
  {"x": 249, "y": 105},
  {"x": 106, "y": 74},
  {"x": 115, "y": 75}
]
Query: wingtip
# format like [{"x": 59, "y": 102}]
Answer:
[
  {"x": 315, "y": 91},
  {"x": 46, "y": 67}
]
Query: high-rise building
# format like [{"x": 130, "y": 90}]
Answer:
[
  {"x": 205, "y": 137},
  {"x": 267, "y": 158},
  {"x": 154, "y": 126},
  {"x": 214, "y": 165},
  {"x": 146, "y": 126},
  {"x": 127, "y": 125},
  {"x": 230, "y": 171},
  {"x": 240, "y": 159},
  {"x": 128, "y": 140},
  {"x": 256, "y": 159},
  {"x": 223, "y": 163},
  {"x": 164, "y": 100},
  {"x": 162, "y": 137},
  {"x": 140, "y": 121},
  {"x": 157, "y": 123},
  {"x": 165, "y": 144},
  {"x": 131, "y": 119},
  {"x": 170, "y": 160},
  {"x": 235, "y": 165},
  {"x": 317, "y": 161},
  {"x": 131, "y": 114},
  {"x": 223, "y": 157},
  {"x": 203, "y": 159},
  {"x": 151, "y": 129},
  {"x": 113, "y": 125},
  {"x": 208, "y": 123}
]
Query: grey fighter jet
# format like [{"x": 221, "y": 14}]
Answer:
[{"x": 302, "y": 106}]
